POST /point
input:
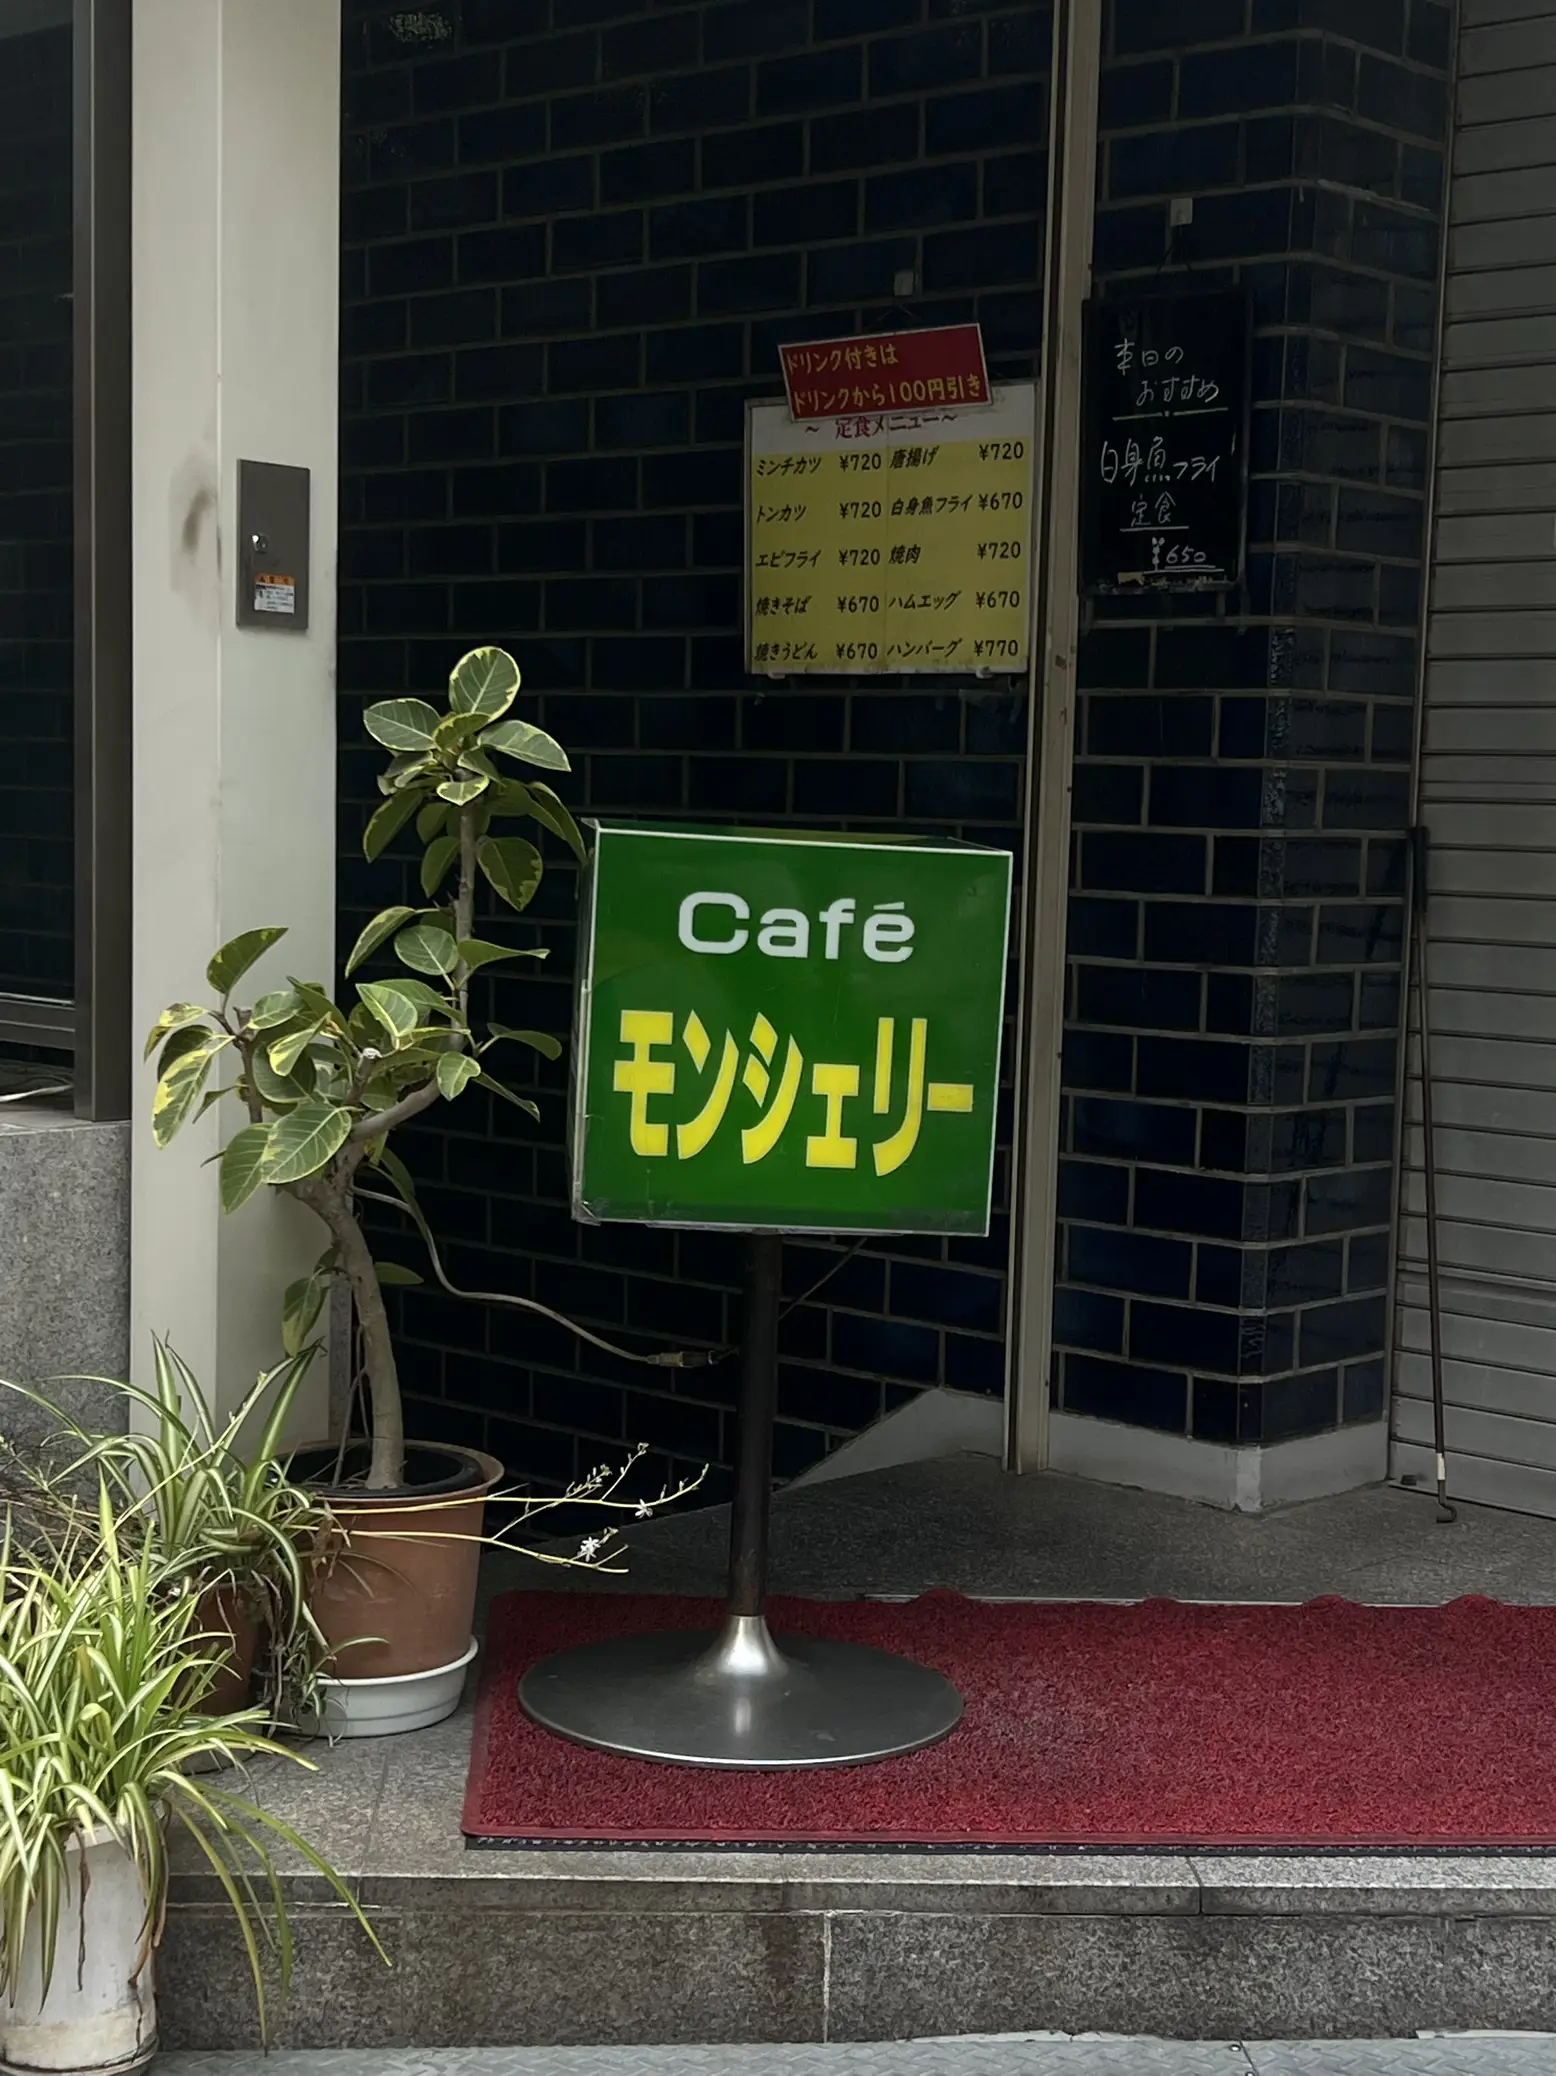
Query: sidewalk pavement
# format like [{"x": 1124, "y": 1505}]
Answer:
[{"x": 1469, "y": 2054}]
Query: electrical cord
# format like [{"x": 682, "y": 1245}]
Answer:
[
  {"x": 716, "y": 1355},
  {"x": 668, "y": 1358},
  {"x": 674, "y": 1359}
]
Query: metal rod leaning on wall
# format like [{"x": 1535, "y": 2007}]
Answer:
[
  {"x": 1395, "y": 1306},
  {"x": 1420, "y": 892}
]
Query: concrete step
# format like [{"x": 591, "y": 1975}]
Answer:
[{"x": 630, "y": 1949}]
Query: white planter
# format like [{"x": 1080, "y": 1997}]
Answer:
[
  {"x": 384, "y": 1707},
  {"x": 94, "y": 2018}
]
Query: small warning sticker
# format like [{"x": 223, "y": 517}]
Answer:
[{"x": 275, "y": 594}]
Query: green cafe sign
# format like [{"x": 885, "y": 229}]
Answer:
[{"x": 794, "y": 1032}]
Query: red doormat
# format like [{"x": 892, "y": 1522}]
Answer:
[{"x": 1325, "y": 1726}]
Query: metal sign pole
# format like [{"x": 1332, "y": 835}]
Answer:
[
  {"x": 738, "y": 1698},
  {"x": 752, "y": 1509}
]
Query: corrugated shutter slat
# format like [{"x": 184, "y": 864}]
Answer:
[{"x": 1488, "y": 797}]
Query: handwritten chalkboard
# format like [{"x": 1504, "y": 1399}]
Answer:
[{"x": 1164, "y": 457}]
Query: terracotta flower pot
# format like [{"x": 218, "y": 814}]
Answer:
[
  {"x": 407, "y": 1573},
  {"x": 225, "y": 1612}
]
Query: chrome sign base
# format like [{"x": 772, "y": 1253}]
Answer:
[
  {"x": 740, "y": 1700},
  {"x": 736, "y": 1698}
]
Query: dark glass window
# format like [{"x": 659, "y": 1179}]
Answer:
[{"x": 36, "y": 552}]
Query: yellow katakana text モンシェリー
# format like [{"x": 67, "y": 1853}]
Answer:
[{"x": 651, "y": 1068}]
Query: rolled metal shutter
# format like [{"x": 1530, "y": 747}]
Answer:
[{"x": 1488, "y": 797}]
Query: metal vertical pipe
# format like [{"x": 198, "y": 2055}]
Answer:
[
  {"x": 752, "y": 1507},
  {"x": 101, "y": 424},
  {"x": 1072, "y": 163}
]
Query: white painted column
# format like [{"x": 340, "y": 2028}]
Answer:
[{"x": 235, "y": 253}]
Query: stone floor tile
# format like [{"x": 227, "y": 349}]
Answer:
[
  {"x": 1008, "y": 2055},
  {"x": 1529, "y": 2054},
  {"x": 962, "y": 1522},
  {"x": 1001, "y": 2057}
]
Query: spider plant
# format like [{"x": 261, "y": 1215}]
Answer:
[
  {"x": 105, "y": 1680},
  {"x": 211, "y": 1505}
]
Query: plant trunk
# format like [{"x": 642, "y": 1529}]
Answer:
[
  {"x": 329, "y": 1196},
  {"x": 464, "y": 906},
  {"x": 387, "y": 1468}
]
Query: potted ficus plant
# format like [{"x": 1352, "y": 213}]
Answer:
[{"x": 325, "y": 1087}]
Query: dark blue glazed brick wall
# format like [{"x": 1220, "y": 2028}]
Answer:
[
  {"x": 1243, "y": 767},
  {"x": 575, "y": 232},
  {"x": 36, "y": 646}
]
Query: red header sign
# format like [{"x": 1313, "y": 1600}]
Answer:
[{"x": 886, "y": 371}]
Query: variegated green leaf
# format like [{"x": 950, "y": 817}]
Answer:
[
  {"x": 500, "y": 1089},
  {"x": 553, "y": 814},
  {"x": 282, "y": 1091},
  {"x": 542, "y": 1041},
  {"x": 441, "y": 853},
  {"x": 382, "y": 926},
  {"x": 305, "y": 1140},
  {"x": 428, "y": 999},
  {"x": 456, "y": 1070},
  {"x": 402, "y": 724},
  {"x": 179, "y": 1091},
  {"x": 382, "y": 1092},
  {"x": 403, "y": 772},
  {"x": 454, "y": 731},
  {"x": 393, "y": 1007},
  {"x": 317, "y": 1002},
  {"x": 234, "y": 959},
  {"x": 278, "y": 1007},
  {"x": 192, "y": 1038},
  {"x": 476, "y": 953},
  {"x": 331, "y": 1078},
  {"x": 394, "y": 1275},
  {"x": 301, "y": 1306},
  {"x": 477, "y": 760},
  {"x": 485, "y": 682},
  {"x": 284, "y": 1052},
  {"x": 430, "y": 820},
  {"x": 241, "y": 1164},
  {"x": 387, "y": 822},
  {"x": 426, "y": 948},
  {"x": 172, "y": 1019},
  {"x": 531, "y": 745},
  {"x": 459, "y": 792},
  {"x": 510, "y": 796},
  {"x": 513, "y": 866}
]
